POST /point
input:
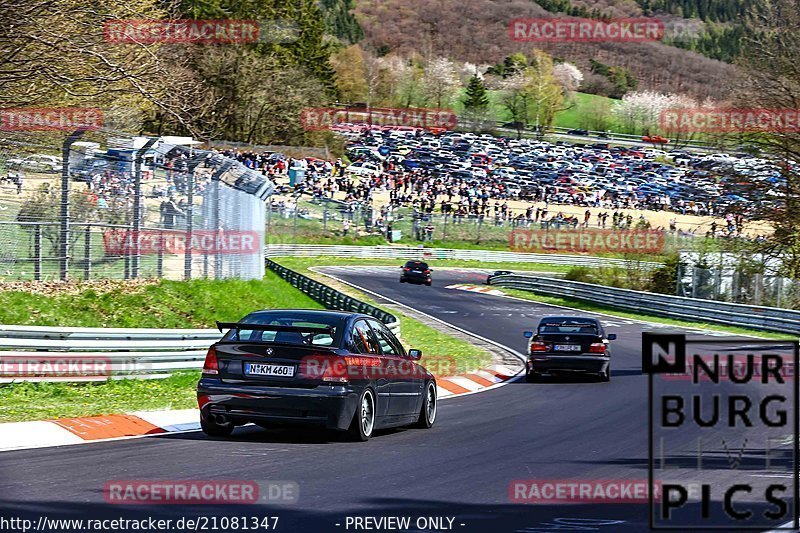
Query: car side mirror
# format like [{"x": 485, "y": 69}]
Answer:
[
  {"x": 527, "y": 334},
  {"x": 415, "y": 354},
  {"x": 612, "y": 336}
]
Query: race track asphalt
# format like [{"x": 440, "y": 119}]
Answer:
[{"x": 564, "y": 429}]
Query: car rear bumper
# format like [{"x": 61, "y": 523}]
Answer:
[
  {"x": 592, "y": 364},
  {"x": 415, "y": 278},
  {"x": 330, "y": 406}
]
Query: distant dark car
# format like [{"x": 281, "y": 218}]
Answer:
[
  {"x": 569, "y": 344},
  {"x": 416, "y": 272},
  {"x": 578, "y": 132},
  {"x": 496, "y": 273},
  {"x": 338, "y": 370}
]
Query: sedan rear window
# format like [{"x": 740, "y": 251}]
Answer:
[
  {"x": 286, "y": 336},
  {"x": 568, "y": 326},
  {"x": 417, "y": 264}
]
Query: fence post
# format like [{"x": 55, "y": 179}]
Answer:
[
  {"x": 160, "y": 257},
  {"x": 187, "y": 257},
  {"x": 137, "y": 205},
  {"x": 64, "y": 244},
  {"x": 87, "y": 253},
  {"x": 757, "y": 288},
  {"x": 296, "y": 209},
  {"x": 37, "y": 252}
]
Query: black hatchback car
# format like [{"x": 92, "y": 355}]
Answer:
[
  {"x": 416, "y": 272},
  {"x": 338, "y": 370},
  {"x": 569, "y": 344}
]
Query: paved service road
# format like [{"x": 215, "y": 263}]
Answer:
[{"x": 461, "y": 469}]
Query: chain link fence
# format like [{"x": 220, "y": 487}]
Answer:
[
  {"x": 110, "y": 205},
  {"x": 752, "y": 279}
]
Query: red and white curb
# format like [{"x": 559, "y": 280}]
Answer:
[
  {"x": 476, "y": 381},
  {"x": 476, "y": 288},
  {"x": 80, "y": 430}
]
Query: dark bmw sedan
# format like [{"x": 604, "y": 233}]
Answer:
[
  {"x": 416, "y": 272},
  {"x": 569, "y": 344},
  {"x": 334, "y": 369}
]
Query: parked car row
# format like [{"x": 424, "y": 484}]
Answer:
[{"x": 571, "y": 172}]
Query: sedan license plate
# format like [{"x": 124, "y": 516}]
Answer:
[
  {"x": 567, "y": 348},
  {"x": 261, "y": 369}
]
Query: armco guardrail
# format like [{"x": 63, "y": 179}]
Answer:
[
  {"x": 409, "y": 252},
  {"x": 330, "y": 297},
  {"x": 756, "y": 317},
  {"x": 38, "y": 353}
]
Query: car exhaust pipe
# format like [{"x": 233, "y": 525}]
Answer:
[{"x": 221, "y": 419}]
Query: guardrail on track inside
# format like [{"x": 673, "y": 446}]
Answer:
[
  {"x": 410, "y": 252},
  {"x": 750, "y": 316},
  {"x": 40, "y": 353},
  {"x": 330, "y": 297}
]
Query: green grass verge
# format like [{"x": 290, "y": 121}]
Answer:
[
  {"x": 587, "y": 306},
  {"x": 42, "y": 401},
  {"x": 164, "y": 304}
]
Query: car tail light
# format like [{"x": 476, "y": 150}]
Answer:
[
  {"x": 324, "y": 367},
  {"x": 597, "y": 347},
  {"x": 211, "y": 366},
  {"x": 427, "y": 271},
  {"x": 336, "y": 372},
  {"x": 538, "y": 347},
  {"x": 406, "y": 269}
]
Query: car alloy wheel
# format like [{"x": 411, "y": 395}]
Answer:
[
  {"x": 427, "y": 415},
  {"x": 430, "y": 404},
  {"x": 367, "y": 414}
]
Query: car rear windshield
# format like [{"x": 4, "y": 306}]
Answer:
[
  {"x": 417, "y": 264},
  {"x": 568, "y": 326},
  {"x": 290, "y": 337}
]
